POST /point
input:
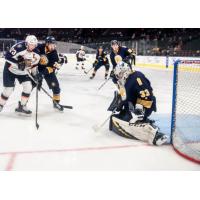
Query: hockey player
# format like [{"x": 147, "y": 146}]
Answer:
[
  {"x": 101, "y": 60},
  {"x": 49, "y": 63},
  {"x": 127, "y": 55},
  {"x": 80, "y": 57},
  {"x": 21, "y": 57},
  {"x": 135, "y": 102},
  {"x": 62, "y": 59}
]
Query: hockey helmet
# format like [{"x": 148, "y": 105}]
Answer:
[
  {"x": 31, "y": 40},
  {"x": 122, "y": 71},
  {"x": 50, "y": 40},
  {"x": 114, "y": 42}
]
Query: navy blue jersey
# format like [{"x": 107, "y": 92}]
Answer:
[
  {"x": 138, "y": 90},
  {"x": 123, "y": 52},
  {"x": 14, "y": 50},
  {"x": 101, "y": 57},
  {"x": 48, "y": 59}
]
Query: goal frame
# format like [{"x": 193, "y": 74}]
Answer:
[{"x": 174, "y": 105}]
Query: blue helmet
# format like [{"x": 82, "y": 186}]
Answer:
[{"x": 50, "y": 40}]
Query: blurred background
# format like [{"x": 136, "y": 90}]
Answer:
[{"x": 146, "y": 41}]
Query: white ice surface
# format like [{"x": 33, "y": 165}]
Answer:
[{"x": 66, "y": 141}]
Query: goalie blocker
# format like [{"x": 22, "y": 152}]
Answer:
[{"x": 134, "y": 103}]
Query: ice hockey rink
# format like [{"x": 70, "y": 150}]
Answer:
[{"x": 66, "y": 141}]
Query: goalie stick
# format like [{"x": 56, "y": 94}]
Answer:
[
  {"x": 104, "y": 83},
  {"x": 97, "y": 128}
]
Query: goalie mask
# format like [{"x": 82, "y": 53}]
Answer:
[{"x": 122, "y": 71}]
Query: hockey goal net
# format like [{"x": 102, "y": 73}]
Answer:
[{"x": 185, "y": 123}]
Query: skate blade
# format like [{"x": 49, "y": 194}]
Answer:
[
  {"x": 59, "y": 111},
  {"x": 23, "y": 114}
]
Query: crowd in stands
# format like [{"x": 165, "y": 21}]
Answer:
[{"x": 171, "y": 41}]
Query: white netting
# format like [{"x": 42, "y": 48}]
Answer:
[{"x": 186, "y": 135}]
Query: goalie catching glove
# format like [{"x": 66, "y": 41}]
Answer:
[{"x": 137, "y": 113}]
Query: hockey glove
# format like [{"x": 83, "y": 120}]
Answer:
[
  {"x": 57, "y": 65},
  {"x": 21, "y": 63}
]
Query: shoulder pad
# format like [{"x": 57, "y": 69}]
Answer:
[{"x": 20, "y": 46}]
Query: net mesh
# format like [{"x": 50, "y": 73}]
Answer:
[{"x": 186, "y": 132}]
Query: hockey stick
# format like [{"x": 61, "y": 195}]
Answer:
[
  {"x": 86, "y": 72},
  {"x": 104, "y": 83},
  {"x": 97, "y": 128},
  {"x": 59, "y": 105},
  {"x": 36, "y": 112}
]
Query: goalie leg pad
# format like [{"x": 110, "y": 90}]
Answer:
[
  {"x": 116, "y": 127},
  {"x": 141, "y": 131}
]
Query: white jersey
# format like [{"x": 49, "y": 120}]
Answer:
[
  {"x": 20, "y": 49},
  {"x": 80, "y": 54}
]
